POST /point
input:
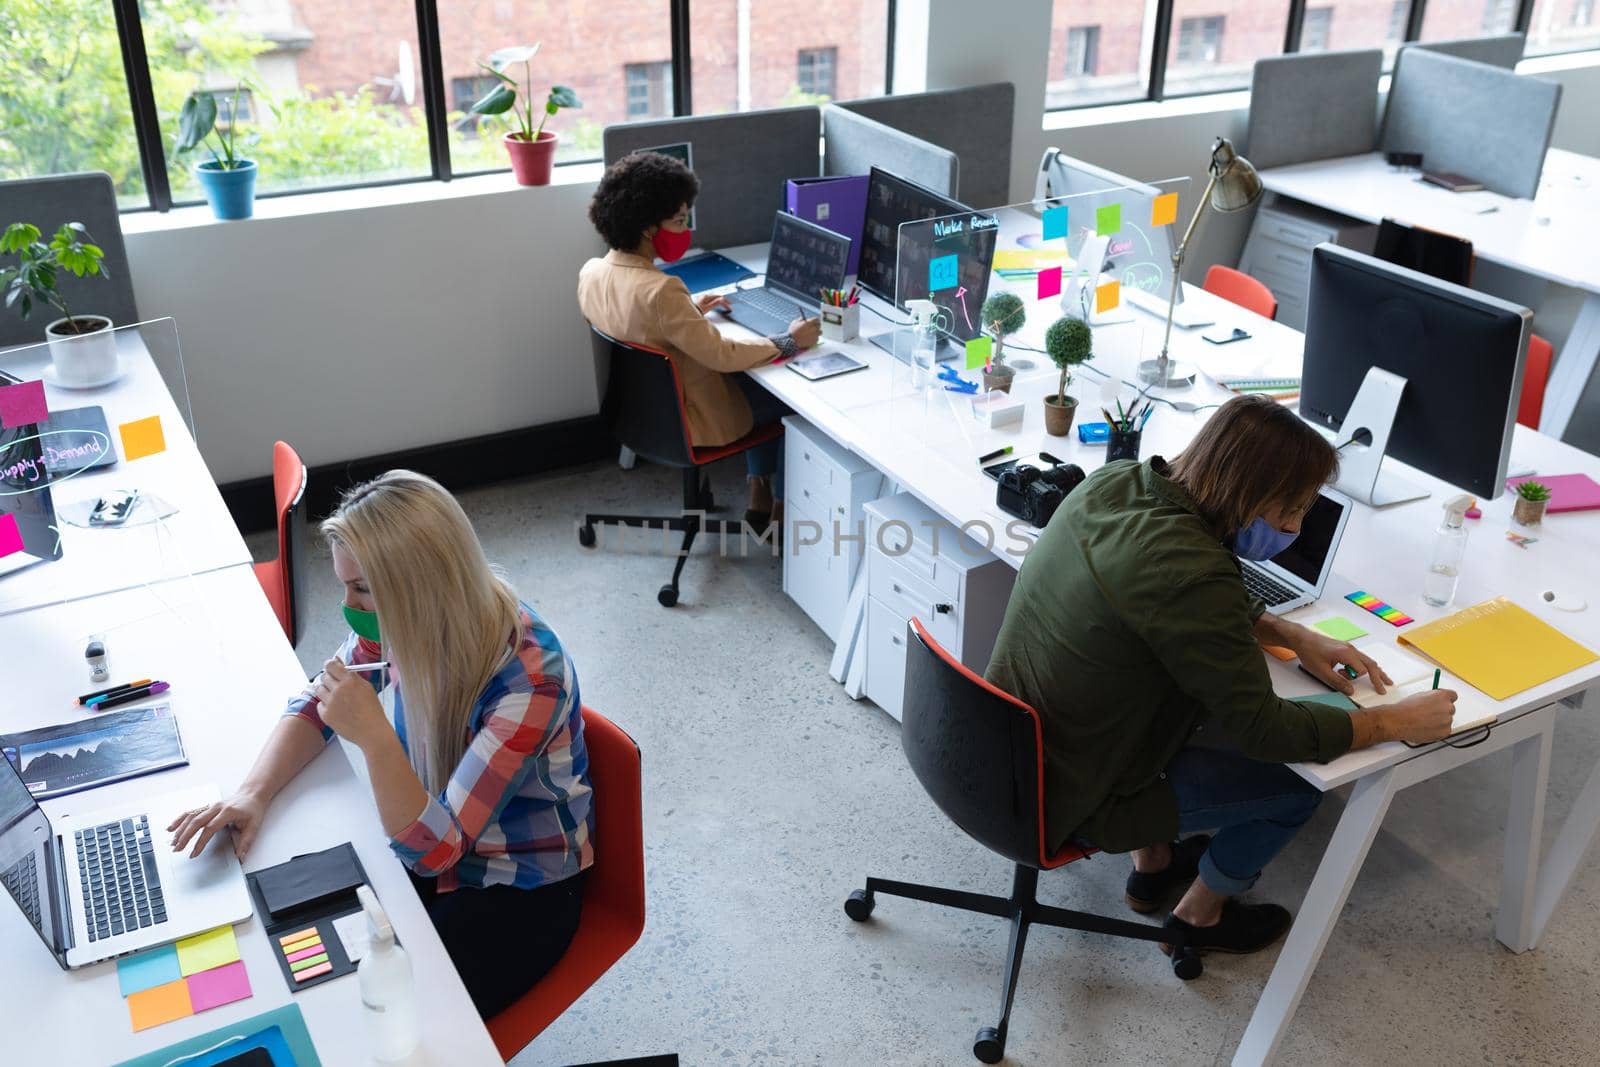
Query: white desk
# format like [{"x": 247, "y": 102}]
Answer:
[
  {"x": 1551, "y": 237},
  {"x": 199, "y": 537},
  {"x": 216, "y": 640}
]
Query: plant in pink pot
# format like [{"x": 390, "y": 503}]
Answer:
[{"x": 532, "y": 149}]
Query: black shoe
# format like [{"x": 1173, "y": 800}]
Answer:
[
  {"x": 1243, "y": 928},
  {"x": 1149, "y": 893}
]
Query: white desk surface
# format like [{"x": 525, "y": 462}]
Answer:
[
  {"x": 199, "y": 537},
  {"x": 1551, "y": 236},
  {"x": 217, "y": 641}
]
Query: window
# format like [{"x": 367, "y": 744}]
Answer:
[
  {"x": 1557, "y": 26},
  {"x": 464, "y": 92},
  {"x": 1583, "y": 12},
  {"x": 1314, "y": 30},
  {"x": 1200, "y": 40},
  {"x": 1445, "y": 19},
  {"x": 1331, "y": 24},
  {"x": 649, "y": 89},
  {"x": 1215, "y": 43},
  {"x": 1083, "y": 51},
  {"x": 1399, "y": 13},
  {"x": 815, "y": 74}
]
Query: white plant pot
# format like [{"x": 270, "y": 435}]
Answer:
[{"x": 83, "y": 360}]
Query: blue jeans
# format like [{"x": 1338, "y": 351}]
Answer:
[
  {"x": 1254, "y": 808},
  {"x": 765, "y": 460}
]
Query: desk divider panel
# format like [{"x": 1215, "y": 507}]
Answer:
[
  {"x": 742, "y": 161},
  {"x": 1499, "y": 50},
  {"x": 1313, "y": 105},
  {"x": 854, "y": 144},
  {"x": 1471, "y": 119},
  {"x": 974, "y": 123}
]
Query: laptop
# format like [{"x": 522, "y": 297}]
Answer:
[
  {"x": 1295, "y": 577},
  {"x": 803, "y": 260},
  {"x": 97, "y": 885}
]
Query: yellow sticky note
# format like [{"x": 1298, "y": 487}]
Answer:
[
  {"x": 205, "y": 951},
  {"x": 160, "y": 1004},
  {"x": 1107, "y": 296},
  {"x": 1164, "y": 209},
  {"x": 142, "y": 438}
]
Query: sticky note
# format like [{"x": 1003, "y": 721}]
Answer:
[
  {"x": 1164, "y": 210},
  {"x": 352, "y": 933},
  {"x": 161, "y": 1004},
  {"x": 1339, "y": 628},
  {"x": 1278, "y": 653},
  {"x": 205, "y": 951},
  {"x": 942, "y": 272},
  {"x": 148, "y": 969},
  {"x": 1055, "y": 222},
  {"x": 304, "y": 942},
  {"x": 22, "y": 404},
  {"x": 142, "y": 438},
  {"x": 1107, "y": 296},
  {"x": 1107, "y": 219},
  {"x": 1049, "y": 283},
  {"x": 218, "y": 986},
  {"x": 979, "y": 350},
  {"x": 298, "y": 935},
  {"x": 312, "y": 972},
  {"x": 304, "y": 953},
  {"x": 10, "y": 536}
]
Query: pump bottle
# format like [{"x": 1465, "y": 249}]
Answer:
[
  {"x": 924, "y": 342},
  {"x": 387, "y": 992},
  {"x": 1449, "y": 546}
]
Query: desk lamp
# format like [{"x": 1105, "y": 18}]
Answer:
[{"x": 1234, "y": 186}]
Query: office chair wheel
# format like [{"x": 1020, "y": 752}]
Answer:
[
  {"x": 586, "y": 535},
  {"x": 989, "y": 1047},
  {"x": 1186, "y": 964},
  {"x": 667, "y": 596},
  {"x": 858, "y": 905}
]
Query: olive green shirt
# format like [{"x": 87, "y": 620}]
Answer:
[{"x": 1129, "y": 630}]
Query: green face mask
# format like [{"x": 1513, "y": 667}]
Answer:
[{"x": 364, "y": 623}]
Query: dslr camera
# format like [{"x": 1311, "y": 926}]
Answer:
[{"x": 1033, "y": 495}]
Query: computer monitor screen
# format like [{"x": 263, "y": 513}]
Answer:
[
  {"x": 969, "y": 237},
  {"x": 1139, "y": 255},
  {"x": 1307, "y": 555},
  {"x": 805, "y": 258},
  {"x": 1461, "y": 353},
  {"x": 892, "y": 200},
  {"x": 26, "y": 510}
]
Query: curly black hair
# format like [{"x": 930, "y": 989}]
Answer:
[{"x": 637, "y": 192}]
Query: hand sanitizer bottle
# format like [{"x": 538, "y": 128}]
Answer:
[
  {"x": 924, "y": 342},
  {"x": 1449, "y": 546},
  {"x": 387, "y": 993}
]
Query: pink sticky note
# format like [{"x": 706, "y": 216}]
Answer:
[
  {"x": 1049, "y": 282},
  {"x": 219, "y": 986},
  {"x": 22, "y": 404},
  {"x": 10, "y": 536}
]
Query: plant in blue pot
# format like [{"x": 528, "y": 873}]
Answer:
[{"x": 228, "y": 179}]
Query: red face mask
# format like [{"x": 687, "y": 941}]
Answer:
[{"x": 670, "y": 245}]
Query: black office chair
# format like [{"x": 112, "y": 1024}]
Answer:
[
  {"x": 644, "y": 408},
  {"x": 978, "y": 752},
  {"x": 1439, "y": 255}
]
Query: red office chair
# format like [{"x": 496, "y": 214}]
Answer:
[
  {"x": 979, "y": 753},
  {"x": 283, "y": 577},
  {"x": 1535, "y": 376},
  {"x": 1237, "y": 287},
  {"x": 613, "y": 896},
  {"x": 644, "y": 408}
]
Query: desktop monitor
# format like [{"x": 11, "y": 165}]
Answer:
[
  {"x": 1140, "y": 256},
  {"x": 1461, "y": 353}
]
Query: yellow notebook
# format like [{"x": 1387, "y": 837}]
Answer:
[{"x": 1498, "y": 647}]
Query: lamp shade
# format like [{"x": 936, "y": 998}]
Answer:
[{"x": 1237, "y": 183}]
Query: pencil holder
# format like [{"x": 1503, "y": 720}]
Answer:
[
  {"x": 841, "y": 323},
  {"x": 1122, "y": 444}
]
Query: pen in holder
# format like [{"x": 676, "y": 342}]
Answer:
[
  {"x": 841, "y": 323},
  {"x": 1122, "y": 444}
]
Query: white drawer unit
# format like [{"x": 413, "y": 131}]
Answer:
[
  {"x": 1278, "y": 252},
  {"x": 919, "y": 566},
  {"x": 825, "y": 487}
]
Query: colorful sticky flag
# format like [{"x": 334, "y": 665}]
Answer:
[
  {"x": 1055, "y": 222},
  {"x": 1107, "y": 220},
  {"x": 979, "y": 349},
  {"x": 205, "y": 951},
  {"x": 942, "y": 272},
  {"x": 1107, "y": 296},
  {"x": 1164, "y": 210},
  {"x": 142, "y": 438},
  {"x": 10, "y": 536},
  {"x": 1049, "y": 282},
  {"x": 22, "y": 404}
]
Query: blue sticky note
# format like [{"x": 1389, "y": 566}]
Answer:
[
  {"x": 1055, "y": 222},
  {"x": 942, "y": 272},
  {"x": 148, "y": 970}
]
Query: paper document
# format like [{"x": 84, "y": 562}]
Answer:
[{"x": 1499, "y": 648}]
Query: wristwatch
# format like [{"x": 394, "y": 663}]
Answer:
[{"x": 786, "y": 345}]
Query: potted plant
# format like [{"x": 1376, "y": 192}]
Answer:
[
  {"x": 532, "y": 149},
  {"x": 1002, "y": 314},
  {"x": 1532, "y": 499},
  {"x": 1068, "y": 342},
  {"x": 228, "y": 179},
  {"x": 83, "y": 350}
]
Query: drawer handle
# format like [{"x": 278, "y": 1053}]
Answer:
[
  {"x": 944, "y": 609},
  {"x": 896, "y": 639},
  {"x": 839, "y": 509},
  {"x": 807, "y": 455},
  {"x": 1293, "y": 261}
]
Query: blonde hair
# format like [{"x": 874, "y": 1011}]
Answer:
[{"x": 446, "y": 617}]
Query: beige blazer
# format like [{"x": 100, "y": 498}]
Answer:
[{"x": 628, "y": 297}]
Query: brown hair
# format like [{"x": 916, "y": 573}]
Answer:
[{"x": 1251, "y": 454}]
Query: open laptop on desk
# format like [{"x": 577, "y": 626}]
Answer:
[
  {"x": 102, "y": 887},
  {"x": 1296, "y": 576},
  {"x": 804, "y": 259}
]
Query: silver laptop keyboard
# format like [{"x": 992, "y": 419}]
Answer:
[
  {"x": 773, "y": 313},
  {"x": 1271, "y": 591},
  {"x": 22, "y": 882},
  {"x": 117, "y": 874}
]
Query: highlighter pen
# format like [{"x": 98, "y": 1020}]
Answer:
[
  {"x": 1349, "y": 672},
  {"x": 119, "y": 699},
  {"x": 367, "y": 666},
  {"x": 996, "y": 454},
  {"x": 1436, "y": 677},
  {"x": 87, "y": 697}
]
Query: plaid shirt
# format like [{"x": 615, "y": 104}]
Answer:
[{"x": 518, "y": 809}]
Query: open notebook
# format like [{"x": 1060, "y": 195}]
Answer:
[{"x": 1413, "y": 675}]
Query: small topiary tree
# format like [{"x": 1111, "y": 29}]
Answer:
[
  {"x": 1002, "y": 314},
  {"x": 1069, "y": 342}
]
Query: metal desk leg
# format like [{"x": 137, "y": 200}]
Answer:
[
  {"x": 1561, "y": 863},
  {"x": 1318, "y": 913},
  {"x": 848, "y": 664},
  {"x": 1530, "y": 779}
]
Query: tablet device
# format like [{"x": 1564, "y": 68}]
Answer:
[{"x": 824, "y": 365}]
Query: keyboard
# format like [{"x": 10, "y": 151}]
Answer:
[
  {"x": 118, "y": 876},
  {"x": 22, "y": 882},
  {"x": 1269, "y": 589},
  {"x": 763, "y": 311}
]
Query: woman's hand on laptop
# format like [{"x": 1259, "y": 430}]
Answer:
[
  {"x": 712, "y": 302},
  {"x": 241, "y": 812},
  {"x": 1325, "y": 658}
]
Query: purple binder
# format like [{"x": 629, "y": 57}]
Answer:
[{"x": 838, "y": 203}]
